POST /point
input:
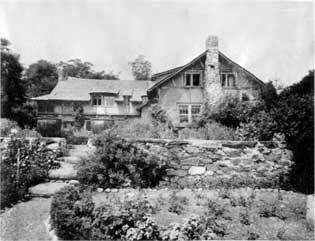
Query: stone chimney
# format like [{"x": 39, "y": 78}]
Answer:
[
  {"x": 62, "y": 76},
  {"x": 212, "y": 85}
]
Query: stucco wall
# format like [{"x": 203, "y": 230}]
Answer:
[{"x": 173, "y": 92}]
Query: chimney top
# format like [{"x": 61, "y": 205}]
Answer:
[
  {"x": 212, "y": 41},
  {"x": 61, "y": 73}
]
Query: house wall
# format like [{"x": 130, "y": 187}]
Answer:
[
  {"x": 65, "y": 111},
  {"x": 174, "y": 92}
]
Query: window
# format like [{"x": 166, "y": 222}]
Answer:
[
  {"x": 183, "y": 113},
  {"x": 228, "y": 79},
  {"x": 195, "y": 112},
  {"x": 97, "y": 100},
  {"x": 189, "y": 113},
  {"x": 192, "y": 79},
  {"x": 109, "y": 100}
]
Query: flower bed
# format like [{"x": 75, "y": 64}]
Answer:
[{"x": 129, "y": 214}]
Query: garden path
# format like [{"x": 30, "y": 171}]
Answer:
[{"x": 28, "y": 220}]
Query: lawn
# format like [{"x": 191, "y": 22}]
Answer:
[{"x": 244, "y": 213}]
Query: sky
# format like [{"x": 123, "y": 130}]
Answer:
[{"x": 273, "y": 39}]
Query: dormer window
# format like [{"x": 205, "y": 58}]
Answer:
[
  {"x": 97, "y": 100},
  {"x": 228, "y": 80},
  {"x": 192, "y": 79}
]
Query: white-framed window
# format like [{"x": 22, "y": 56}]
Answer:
[
  {"x": 183, "y": 113},
  {"x": 192, "y": 79},
  {"x": 109, "y": 101},
  {"x": 228, "y": 79},
  {"x": 188, "y": 113}
]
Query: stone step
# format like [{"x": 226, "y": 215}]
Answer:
[
  {"x": 66, "y": 171},
  {"x": 70, "y": 159},
  {"x": 46, "y": 189}
]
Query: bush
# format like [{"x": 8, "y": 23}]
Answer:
[
  {"x": 139, "y": 129},
  {"x": 177, "y": 204},
  {"x": 74, "y": 217},
  {"x": 34, "y": 165},
  {"x": 71, "y": 212},
  {"x": 9, "y": 126},
  {"x": 231, "y": 112},
  {"x": 210, "y": 131},
  {"x": 76, "y": 137},
  {"x": 119, "y": 163}
]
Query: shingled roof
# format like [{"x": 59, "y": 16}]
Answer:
[{"x": 77, "y": 89}]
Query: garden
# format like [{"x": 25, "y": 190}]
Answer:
[{"x": 243, "y": 180}]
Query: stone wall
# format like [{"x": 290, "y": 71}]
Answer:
[{"x": 203, "y": 163}]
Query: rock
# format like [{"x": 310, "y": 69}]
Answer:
[
  {"x": 196, "y": 170},
  {"x": 173, "y": 172},
  {"x": 99, "y": 189},
  {"x": 53, "y": 146},
  {"x": 46, "y": 189},
  {"x": 239, "y": 144},
  {"x": 71, "y": 159},
  {"x": 273, "y": 157},
  {"x": 114, "y": 190},
  {"x": 235, "y": 161},
  {"x": 206, "y": 161},
  {"x": 107, "y": 190},
  {"x": 193, "y": 161},
  {"x": 74, "y": 182},
  {"x": 209, "y": 173},
  {"x": 232, "y": 152},
  {"x": 287, "y": 154},
  {"x": 66, "y": 171},
  {"x": 191, "y": 149}
]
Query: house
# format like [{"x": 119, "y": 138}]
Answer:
[{"x": 181, "y": 91}]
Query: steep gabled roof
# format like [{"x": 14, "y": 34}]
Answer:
[
  {"x": 166, "y": 75},
  {"x": 77, "y": 89}
]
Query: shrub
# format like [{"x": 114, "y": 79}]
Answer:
[
  {"x": 74, "y": 217},
  {"x": 7, "y": 126},
  {"x": 119, "y": 163},
  {"x": 140, "y": 129},
  {"x": 76, "y": 137},
  {"x": 34, "y": 165},
  {"x": 177, "y": 204},
  {"x": 231, "y": 112},
  {"x": 261, "y": 127},
  {"x": 71, "y": 212},
  {"x": 210, "y": 131}
]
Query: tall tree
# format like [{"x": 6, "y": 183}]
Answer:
[
  {"x": 80, "y": 69},
  {"x": 41, "y": 78},
  {"x": 12, "y": 85},
  {"x": 141, "y": 68}
]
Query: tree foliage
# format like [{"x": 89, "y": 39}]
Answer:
[
  {"x": 41, "y": 78},
  {"x": 78, "y": 68},
  {"x": 141, "y": 68},
  {"x": 12, "y": 86}
]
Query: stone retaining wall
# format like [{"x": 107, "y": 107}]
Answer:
[{"x": 201, "y": 162}]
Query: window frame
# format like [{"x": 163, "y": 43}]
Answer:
[
  {"x": 191, "y": 79},
  {"x": 190, "y": 116},
  {"x": 224, "y": 78},
  {"x": 108, "y": 101}
]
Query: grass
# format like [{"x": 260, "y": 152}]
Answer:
[
  {"x": 25, "y": 221},
  {"x": 242, "y": 220}
]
